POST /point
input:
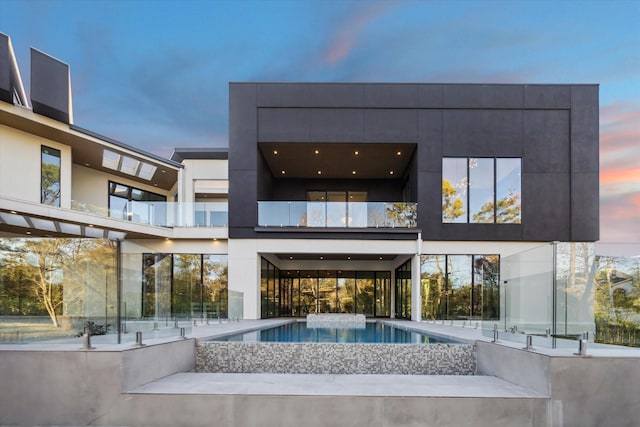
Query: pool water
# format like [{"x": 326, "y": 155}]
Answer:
[{"x": 371, "y": 332}]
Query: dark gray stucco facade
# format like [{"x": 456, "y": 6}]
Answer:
[{"x": 552, "y": 128}]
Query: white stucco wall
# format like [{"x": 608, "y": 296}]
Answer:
[
  {"x": 201, "y": 170},
  {"x": 20, "y": 168}
]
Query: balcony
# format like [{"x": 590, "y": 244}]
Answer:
[
  {"x": 163, "y": 214},
  {"x": 337, "y": 214}
]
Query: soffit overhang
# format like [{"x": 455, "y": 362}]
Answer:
[
  {"x": 291, "y": 160},
  {"x": 87, "y": 147}
]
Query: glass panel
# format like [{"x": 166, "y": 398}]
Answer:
[
  {"x": 327, "y": 292},
  {"x": 346, "y": 292},
  {"x": 454, "y": 190},
  {"x": 50, "y": 177},
  {"x": 264, "y": 274},
  {"x": 133, "y": 204},
  {"x": 508, "y": 191},
  {"x": 433, "y": 286},
  {"x": 403, "y": 291},
  {"x": 527, "y": 279},
  {"x": 616, "y": 290},
  {"x": 273, "y": 214},
  {"x": 271, "y": 302},
  {"x": 308, "y": 289},
  {"x": 486, "y": 282},
  {"x": 481, "y": 203},
  {"x": 118, "y": 207},
  {"x": 459, "y": 275},
  {"x": 215, "y": 286},
  {"x": 295, "y": 293},
  {"x": 285, "y": 295},
  {"x": 336, "y": 209},
  {"x": 357, "y": 208},
  {"x": 364, "y": 292},
  {"x": 316, "y": 215},
  {"x": 383, "y": 294},
  {"x": 156, "y": 287},
  {"x": 187, "y": 298},
  {"x": 53, "y": 288}
]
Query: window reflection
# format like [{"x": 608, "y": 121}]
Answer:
[
  {"x": 454, "y": 190},
  {"x": 50, "y": 176},
  {"x": 491, "y": 187},
  {"x": 460, "y": 286},
  {"x": 300, "y": 292}
]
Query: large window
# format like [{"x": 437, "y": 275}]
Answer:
[
  {"x": 481, "y": 190},
  {"x": 133, "y": 204},
  {"x": 185, "y": 286},
  {"x": 50, "y": 176},
  {"x": 403, "y": 291},
  {"x": 460, "y": 286},
  {"x": 300, "y": 292}
]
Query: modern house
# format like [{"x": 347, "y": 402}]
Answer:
[
  {"x": 390, "y": 200},
  {"x": 467, "y": 210},
  {"x": 401, "y": 200}
]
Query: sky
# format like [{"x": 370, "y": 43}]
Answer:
[{"x": 155, "y": 74}]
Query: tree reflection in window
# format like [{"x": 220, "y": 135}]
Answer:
[
  {"x": 50, "y": 176},
  {"x": 491, "y": 188}
]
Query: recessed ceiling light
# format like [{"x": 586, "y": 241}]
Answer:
[
  {"x": 380, "y": 258},
  {"x": 399, "y": 153},
  {"x": 353, "y": 172},
  {"x": 390, "y": 172},
  {"x": 317, "y": 152},
  {"x": 28, "y": 232},
  {"x": 275, "y": 152},
  {"x": 90, "y": 225},
  {"x": 155, "y": 185},
  {"x": 164, "y": 171},
  {"x": 87, "y": 164},
  {"x": 356, "y": 153},
  {"x": 282, "y": 172},
  {"x": 166, "y": 238},
  {"x": 321, "y": 257},
  {"x": 319, "y": 172},
  {"x": 348, "y": 257},
  {"x": 13, "y": 212},
  {"x": 290, "y": 257}
]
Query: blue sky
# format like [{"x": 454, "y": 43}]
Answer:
[{"x": 154, "y": 74}]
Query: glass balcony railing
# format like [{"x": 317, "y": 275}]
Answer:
[
  {"x": 163, "y": 214},
  {"x": 338, "y": 214}
]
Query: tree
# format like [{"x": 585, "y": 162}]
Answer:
[
  {"x": 452, "y": 204},
  {"x": 50, "y": 184},
  {"x": 49, "y": 276},
  {"x": 507, "y": 211}
]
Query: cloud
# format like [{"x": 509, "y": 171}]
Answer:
[
  {"x": 347, "y": 33},
  {"x": 620, "y": 148},
  {"x": 620, "y": 218}
]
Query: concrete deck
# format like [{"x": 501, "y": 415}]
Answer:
[{"x": 336, "y": 385}]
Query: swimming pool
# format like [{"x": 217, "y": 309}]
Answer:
[{"x": 368, "y": 333}]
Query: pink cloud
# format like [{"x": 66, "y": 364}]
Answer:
[
  {"x": 611, "y": 176},
  {"x": 345, "y": 39}
]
